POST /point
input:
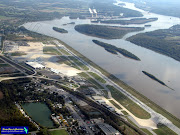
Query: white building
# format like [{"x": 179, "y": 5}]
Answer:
[{"x": 35, "y": 65}]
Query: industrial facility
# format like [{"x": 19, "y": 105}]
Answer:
[{"x": 93, "y": 12}]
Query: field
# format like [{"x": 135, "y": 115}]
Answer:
[
  {"x": 33, "y": 48},
  {"x": 164, "y": 130},
  {"x": 91, "y": 80},
  {"x": 146, "y": 131},
  {"x": 124, "y": 112},
  {"x": 80, "y": 64},
  {"x": 97, "y": 77},
  {"x": 116, "y": 105},
  {"x": 59, "y": 132},
  {"x": 128, "y": 104},
  {"x": 64, "y": 51},
  {"x": 18, "y": 53},
  {"x": 65, "y": 60},
  {"x": 51, "y": 51}
]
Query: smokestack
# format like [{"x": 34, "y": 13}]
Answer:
[
  {"x": 94, "y": 10},
  {"x": 91, "y": 12}
]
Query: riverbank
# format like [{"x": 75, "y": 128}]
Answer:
[
  {"x": 164, "y": 41},
  {"x": 129, "y": 89}
]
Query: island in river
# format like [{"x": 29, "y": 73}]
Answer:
[
  {"x": 60, "y": 30},
  {"x": 127, "y": 22},
  {"x": 166, "y": 41},
  {"x": 155, "y": 78},
  {"x": 115, "y": 50},
  {"x": 106, "y": 32}
]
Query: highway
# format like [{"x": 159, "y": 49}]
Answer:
[
  {"x": 17, "y": 66},
  {"x": 156, "y": 117}
]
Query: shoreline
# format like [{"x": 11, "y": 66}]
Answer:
[{"x": 135, "y": 93}]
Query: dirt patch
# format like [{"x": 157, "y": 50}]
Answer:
[
  {"x": 1, "y": 95},
  {"x": 34, "y": 47},
  {"x": 28, "y": 38},
  {"x": 62, "y": 68}
]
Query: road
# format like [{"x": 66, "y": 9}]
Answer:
[{"x": 17, "y": 66}]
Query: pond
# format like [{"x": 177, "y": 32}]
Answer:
[{"x": 39, "y": 112}]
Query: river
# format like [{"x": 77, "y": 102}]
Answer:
[{"x": 128, "y": 70}]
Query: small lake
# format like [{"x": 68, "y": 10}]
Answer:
[{"x": 39, "y": 112}]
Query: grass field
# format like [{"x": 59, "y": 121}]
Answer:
[
  {"x": 64, "y": 52},
  {"x": 91, "y": 80},
  {"x": 80, "y": 64},
  {"x": 59, "y": 132},
  {"x": 65, "y": 60},
  {"x": 18, "y": 53},
  {"x": 146, "y": 131},
  {"x": 51, "y": 51},
  {"x": 98, "y": 78},
  {"x": 124, "y": 112},
  {"x": 163, "y": 130},
  {"x": 116, "y": 105},
  {"x": 128, "y": 104}
]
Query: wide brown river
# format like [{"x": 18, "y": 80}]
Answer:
[{"x": 128, "y": 70}]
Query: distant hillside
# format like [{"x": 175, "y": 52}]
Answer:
[
  {"x": 165, "y": 41},
  {"x": 164, "y": 7}
]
